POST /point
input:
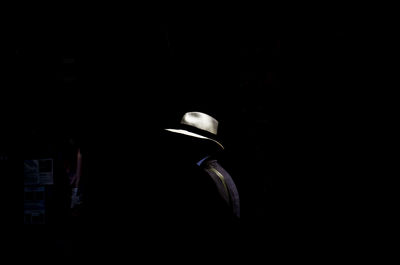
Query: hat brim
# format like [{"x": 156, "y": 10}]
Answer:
[{"x": 185, "y": 132}]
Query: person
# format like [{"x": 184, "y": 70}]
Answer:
[{"x": 200, "y": 190}]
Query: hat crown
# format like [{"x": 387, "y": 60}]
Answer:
[{"x": 201, "y": 121}]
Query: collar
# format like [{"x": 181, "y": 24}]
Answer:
[{"x": 202, "y": 160}]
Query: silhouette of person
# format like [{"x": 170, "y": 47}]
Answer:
[{"x": 200, "y": 188}]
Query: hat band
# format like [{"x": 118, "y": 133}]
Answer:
[{"x": 198, "y": 131}]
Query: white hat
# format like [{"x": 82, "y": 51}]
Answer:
[{"x": 199, "y": 125}]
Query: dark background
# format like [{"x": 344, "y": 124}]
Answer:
[{"x": 111, "y": 84}]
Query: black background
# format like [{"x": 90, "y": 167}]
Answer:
[{"x": 291, "y": 140}]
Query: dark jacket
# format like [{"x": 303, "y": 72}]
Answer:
[{"x": 189, "y": 193}]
